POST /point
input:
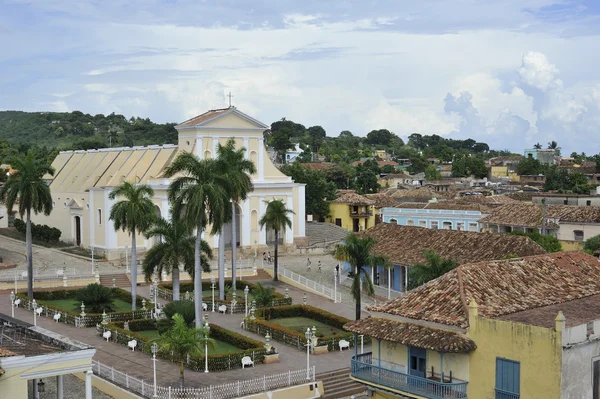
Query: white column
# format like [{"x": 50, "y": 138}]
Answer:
[
  {"x": 36, "y": 394},
  {"x": 110, "y": 234},
  {"x": 247, "y": 153},
  {"x": 215, "y": 147},
  {"x": 88, "y": 384},
  {"x": 199, "y": 149},
  {"x": 215, "y": 241},
  {"x": 289, "y": 233},
  {"x": 59, "y": 387},
  {"x": 91, "y": 218},
  {"x": 261, "y": 211},
  {"x": 166, "y": 210},
  {"x": 301, "y": 214},
  {"x": 261, "y": 159},
  {"x": 246, "y": 220}
]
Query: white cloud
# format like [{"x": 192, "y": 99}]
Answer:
[{"x": 536, "y": 71}]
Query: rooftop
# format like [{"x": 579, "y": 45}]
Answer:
[
  {"x": 530, "y": 215},
  {"x": 404, "y": 245},
  {"x": 500, "y": 288},
  {"x": 204, "y": 117},
  {"x": 352, "y": 198},
  {"x": 380, "y": 163},
  {"x": 382, "y": 200}
]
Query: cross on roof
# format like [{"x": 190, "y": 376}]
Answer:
[{"x": 230, "y": 96}]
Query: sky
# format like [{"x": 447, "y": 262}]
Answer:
[{"x": 507, "y": 72}]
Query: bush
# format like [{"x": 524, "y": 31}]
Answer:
[
  {"x": 549, "y": 243},
  {"x": 41, "y": 232},
  {"x": 184, "y": 308},
  {"x": 96, "y": 298},
  {"x": 592, "y": 245}
]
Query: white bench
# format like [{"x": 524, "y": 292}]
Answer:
[
  {"x": 17, "y": 302},
  {"x": 106, "y": 335},
  {"x": 223, "y": 309},
  {"x": 132, "y": 344},
  {"x": 344, "y": 344},
  {"x": 39, "y": 311},
  {"x": 204, "y": 306},
  {"x": 56, "y": 317},
  {"x": 247, "y": 361}
]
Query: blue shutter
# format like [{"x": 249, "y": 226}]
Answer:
[{"x": 508, "y": 375}]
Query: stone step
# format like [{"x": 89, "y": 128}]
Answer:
[
  {"x": 337, "y": 384},
  {"x": 121, "y": 280}
]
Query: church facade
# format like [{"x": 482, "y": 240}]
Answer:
[{"x": 83, "y": 181}]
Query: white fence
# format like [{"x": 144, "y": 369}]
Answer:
[
  {"x": 9, "y": 276},
  {"x": 308, "y": 284},
  {"x": 224, "y": 391}
]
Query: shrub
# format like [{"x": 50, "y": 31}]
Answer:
[
  {"x": 592, "y": 244},
  {"x": 39, "y": 231},
  {"x": 184, "y": 308},
  {"x": 263, "y": 295},
  {"x": 96, "y": 298},
  {"x": 549, "y": 243}
]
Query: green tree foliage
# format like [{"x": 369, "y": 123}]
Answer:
[
  {"x": 281, "y": 142},
  {"x": 358, "y": 252},
  {"x": 565, "y": 181},
  {"x": 592, "y": 244},
  {"x": 318, "y": 190},
  {"x": 365, "y": 181},
  {"x": 553, "y": 145},
  {"x": 529, "y": 166},
  {"x": 41, "y": 232},
  {"x": 549, "y": 243},
  {"x": 96, "y": 298},
  {"x": 469, "y": 166},
  {"x": 183, "y": 308},
  {"x": 263, "y": 295},
  {"x": 418, "y": 164},
  {"x": 431, "y": 173},
  {"x": 537, "y": 146},
  {"x": 276, "y": 218},
  {"x": 340, "y": 175},
  {"x": 27, "y": 188},
  {"x": 316, "y": 135},
  {"x": 434, "y": 267},
  {"x": 381, "y": 136}
]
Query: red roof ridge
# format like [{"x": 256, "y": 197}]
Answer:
[{"x": 461, "y": 290}]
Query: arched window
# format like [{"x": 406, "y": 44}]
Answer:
[
  {"x": 410, "y": 222},
  {"x": 207, "y": 154},
  {"x": 99, "y": 216},
  {"x": 393, "y": 221}
]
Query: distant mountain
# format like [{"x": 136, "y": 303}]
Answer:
[{"x": 78, "y": 131}]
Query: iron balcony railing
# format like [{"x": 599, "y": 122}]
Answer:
[
  {"x": 363, "y": 369},
  {"x": 500, "y": 394},
  {"x": 360, "y": 214}
]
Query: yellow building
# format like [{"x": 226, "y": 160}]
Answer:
[
  {"x": 508, "y": 329},
  {"x": 381, "y": 154},
  {"x": 84, "y": 179},
  {"x": 29, "y": 355},
  {"x": 352, "y": 212}
]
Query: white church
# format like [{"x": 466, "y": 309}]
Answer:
[{"x": 83, "y": 180}]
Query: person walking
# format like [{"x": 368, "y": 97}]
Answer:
[
  {"x": 308, "y": 263},
  {"x": 319, "y": 268}
]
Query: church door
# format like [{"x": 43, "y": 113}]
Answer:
[{"x": 77, "y": 230}]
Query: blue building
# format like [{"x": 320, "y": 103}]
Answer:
[{"x": 436, "y": 219}]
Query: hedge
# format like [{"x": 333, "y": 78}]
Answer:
[
  {"x": 287, "y": 336},
  {"x": 39, "y": 231},
  {"x": 217, "y": 362},
  {"x": 72, "y": 316}
]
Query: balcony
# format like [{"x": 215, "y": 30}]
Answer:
[
  {"x": 500, "y": 394},
  {"x": 368, "y": 373},
  {"x": 360, "y": 213}
]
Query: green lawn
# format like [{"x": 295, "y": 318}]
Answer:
[
  {"x": 300, "y": 324},
  {"x": 221, "y": 347},
  {"x": 73, "y": 304}
]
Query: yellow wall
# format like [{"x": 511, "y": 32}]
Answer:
[
  {"x": 499, "y": 171},
  {"x": 571, "y": 246},
  {"x": 537, "y": 349},
  {"x": 342, "y": 211}
]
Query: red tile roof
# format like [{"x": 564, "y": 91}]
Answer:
[
  {"x": 382, "y": 200},
  {"x": 530, "y": 215},
  {"x": 353, "y": 199},
  {"x": 317, "y": 165},
  {"x": 500, "y": 287},
  {"x": 203, "y": 117}
]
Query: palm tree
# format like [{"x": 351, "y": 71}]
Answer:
[
  {"x": 237, "y": 170},
  {"x": 200, "y": 195},
  {"x": 176, "y": 247},
  {"x": 27, "y": 187},
  {"x": 434, "y": 267},
  {"x": 276, "y": 218},
  {"x": 134, "y": 214},
  {"x": 537, "y": 146},
  {"x": 181, "y": 341},
  {"x": 357, "y": 250},
  {"x": 553, "y": 145}
]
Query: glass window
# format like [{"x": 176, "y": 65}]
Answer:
[
  {"x": 460, "y": 226},
  {"x": 99, "y": 216},
  {"x": 473, "y": 227},
  {"x": 578, "y": 235},
  {"x": 434, "y": 224},
  {"x": 410, "y": 222},
  {"x": 422, "y": 223},
  {"x": 508, "y": 379}
]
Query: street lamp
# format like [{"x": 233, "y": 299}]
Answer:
[
  {"x": 308, "y": 336},
  {"x": 34, "y": 305},
  {"x": 212, "y": 286},
  {"x": 206, "y": 332},
  {"x": 334, "y": 286},
  {"x": 12, "y": 303},
  {"x": 155, "y": 295},
  {"x": 154, "y": 349},
  {"x": 246, "y": 290}
]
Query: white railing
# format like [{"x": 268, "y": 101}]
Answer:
[
  {"x": 306, "y": 283},
  {"x": 56, "y": 274},
  {"x": 224, "y": 391},
  {"x": 383, "y": 292}
]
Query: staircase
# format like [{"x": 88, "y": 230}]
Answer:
[
  {"x": 261, "y": 275},
  {"x": 337, "y": 384},
  {"x": 324, "y": 234},
  {"x": 121, "y": 280}
]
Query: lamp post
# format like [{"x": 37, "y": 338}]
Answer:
[
  {"x": 34, "y": 305},
  {"x": 154, "y": 348},
  {"x": 308, "y": 336},
  {"x": 207, "y": 331},
  {"x": 155, "y": 295},
  {"x": 335, "y": 286},
  {"x": 12, "y": 303},
  {"x": 246, "y": 290},
  {"x": 212, "y": 286}
]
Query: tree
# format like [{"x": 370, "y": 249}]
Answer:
[
  {"x": 529, "y": 166},
  {"x": 434, "y": 267},
  {"x": 316, "y": 135},
  {"x": 26, "y": 186},
  {"x": 134, "y": 214},
  {"x": 200, "y": 196},
  {"x": 263, "y": 295},
  {"x": 182, "y": 341},
  {"x": 549, "y": 243},
  {"x": 358, "y": 252},
  {"x": 366, "y": 181},
  {"x": 236, "y": 169},
  {"x": 276, "y": 219},
  {"x": 418, "y": 164},
  {"x": 537, "y": 146},
  {"x": 431, "y": 173},
  {"x": 318, "y": 190},
  {"x": 592, "y": 245},
  {"x": 96, "y": 298},
  {"x": 416, "y": 140},
  {"x": 379, "y": 137},
  {"x": 175, "y": 248},
  {"x": 280, "y": 141},
  {"x": 183, "y": 308},
  {"x": 553, "y": 145},
  {"x": 563, "y": 180}
]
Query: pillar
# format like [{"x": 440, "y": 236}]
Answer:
[
  {"x": 88, "y": 384},
  {"x": 59, "y": 387},
  {"x": 36, "y": 394},
  {"x": 262, "y": 238},
  {"x": 289, "y": 232},
  {"x": 261, "y": 157}
]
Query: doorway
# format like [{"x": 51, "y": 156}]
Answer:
[
  {"x": 418, "y": 365},
  {"x": 77, "y": 230},
  {"x": 355, "y": 225}
]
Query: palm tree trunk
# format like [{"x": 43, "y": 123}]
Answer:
[
  {"x": 276, "y": 263},
  {"x": 175, "y": 275},
  {"x": 357, "y": 300},
  {"x": 133, "y": 270},
  {"x": 197, "y": 280},
  {"x": 233, "y": 244},
  {"x": 29, "y": 251},
  {"x": 222, "y": 265},
  {"x": 181, "y": 370}
]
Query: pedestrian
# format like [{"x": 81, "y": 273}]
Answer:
[
  {"x": 337, "y": 270},
  {"x": 265, "y": 256},
  {"x": 269, "y": 257},
  {"x": 319, "y": 269},
  {"x": 308, "y": 264}
]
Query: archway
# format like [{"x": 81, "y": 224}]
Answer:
[{"x": 77, "y": 230}]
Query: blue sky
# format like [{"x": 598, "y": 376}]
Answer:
[{"x": 508, "y": 72}]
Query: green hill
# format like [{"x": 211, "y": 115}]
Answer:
[{"x": 78, "y": 131}]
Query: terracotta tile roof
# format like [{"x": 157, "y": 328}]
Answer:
[
  {"x": 509, "y": 158},
  {"x": 425, "y": 193},
  {"x": 530, "y": 215},
  {"x": 404, "y": 245},
  {"x": 523, "y": 196},
  {"x": 412, "y": 205},
  {"x": 500, "y": 287},
  {"x": 449, "y": 205},
  {"x": 317, "y": 165},
  {"x": 487, "y": 199},
  {"x": 203, "y": 117},
  {"x": 6, "y": 353},
  {"x": 412, "y": 334},
  {"x": 353, "y": 199},
  {"x": 382, "y": 200}
]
